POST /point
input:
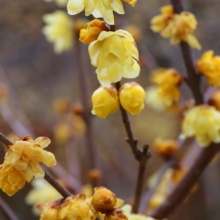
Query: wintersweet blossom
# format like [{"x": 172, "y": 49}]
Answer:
[
  {"x": 132, "y": 96},
  {"x": 115, "y": 55},
  {"x": 203, "y": 122},
  {"x": 59, "y": 30},
  {"x": 105, "y": 101},
  {"x": 42, "y": 192},
  {"x": 178, "y": 27},
  {"x": 127, "y": 209},
  {"x": 91, "y": 33},
  {"x": 98, "y": 8},
  {"x": 209, "y": 66},
  {"x": 21, "y": 163}
]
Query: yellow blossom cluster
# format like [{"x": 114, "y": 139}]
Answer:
[
  {"x": 21, "y": 163},
  {"x": 209, "y": 66},
  {"x": 203, "y": 122},
  {"x": 98, "y": 8},
  {"x": 166, "y": 93},
  {"x": 105, "y": 100},
  {"x": 115, "y": 55},
  {"x": 59, "y": 30},
  {"x": 178, "y": 27}
]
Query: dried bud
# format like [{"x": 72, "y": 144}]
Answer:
[
  {"x": 132, "y": 97},
  {"x": 95, "y": 174},
  {"x": 77, "y": 109},
  {"x": 91, "y": 33},
  {"x": 116, "y": 214},
  {"x": 105, "y": 101},
  {"x": 165, "y": 148},
  {"x": 215, "y": 99},
  {"x": 103, "y": 200}
]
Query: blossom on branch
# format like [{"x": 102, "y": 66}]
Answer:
[
  {"x": 59, "y": 30},
  {"x": 115, "y": 55},
  {"x": 21, "y": 163},
  {"x": 132, "y": 96},
  {"x": 203, "y": 122},
  {"x": 178, "y": 27},
  {"x": 209, "y": 66},
  {"x": 98, "y": 8},
  {"x": 105, "y": 101}
]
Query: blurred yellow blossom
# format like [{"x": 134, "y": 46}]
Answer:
[
  {"x": 132, "y": 97},
  {"x": 105, "y": 101},
  {"x": 21, "y": 163},
  {"x": 209, "y": 66},
  {"x": 178, "y": 27},
  {"x": 214, "y": 100},
  {"x": 91, "y": 33},
  {"x": 59, "y": 30},
  {"x": 127, "y": 209},
  {"x": 135, "y": 31},
  {"x": 61, "y": 3},
  {"x": 42, "y": 192},
  {"x": 203, "y": 122},
  {"x": 115, "y": 55},
  {"x": 98, "y": 8},
  {"x": 165, "y": 147}
]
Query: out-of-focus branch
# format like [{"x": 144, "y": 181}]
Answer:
[
  {"x": 64, "y": 192},
  {"x": 192, "y": 79},
  {"x": 183, "y": 188},
  {"x": 7, "y": 211}
]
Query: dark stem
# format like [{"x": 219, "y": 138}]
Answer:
[
  {"x": 193, "y": 79},
  {"x": 140, "y": 179},
  {"x": 180, "y": 193},
  {"x": 87, "y": 108},
  {"x": 48, "y": 177},
  {"x": 7, "y": 211}
]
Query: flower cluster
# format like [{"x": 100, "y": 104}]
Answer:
[
  {"x": 98, "y": 8},
  {"x": 178, "y": 27},
  {"x": 166, "y": 93},
  {"x": 21, "y": 163},
  {"x": 105, "y": 100},
  {"x": 203, "y": 122},
  {"x": 209, "y": 66}
]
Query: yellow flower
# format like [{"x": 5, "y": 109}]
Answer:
[
  {"x": 98, "y": 8},
  {"x": 214, "y": 100},
  {"x": 61, "y": 3},
  {"x": 209, "y": 66},
  {"x": 41, "y": 192},
  {"x": 127, "y": 209},
  {"x": 178, "y": 27},
  {"x": 116, "y": 214},
  {"x": 134, "y": 31},
  {"x": 59, "y": 30},
  {"x": 115, "y": 55},
  {"x": 203, "y": 122},
  {"x": 105, "y": 101},
  {"x": 132, "y": 97},
  {"x": 92, "y": 32},
  {"x": 21, "y": 163}
]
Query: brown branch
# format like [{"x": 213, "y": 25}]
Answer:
[
  {"x": 180, "y": 193},
  {"x": 48, "y": 177},
  {"x": 192, "y": 79},
  {"x": 7, "y": 211},
  {"x": 87, "y": 108}
]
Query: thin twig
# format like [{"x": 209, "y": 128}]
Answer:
[
  {"x": 64, "y": 192},
  {"x": 7, "y": 211},
  {"x": 192, "y": 79}
]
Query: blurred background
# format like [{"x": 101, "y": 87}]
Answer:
[{"x": 38, "y": 80}]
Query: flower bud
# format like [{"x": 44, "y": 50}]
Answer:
[
  {"x": 94, "y": 174},
  {"x": 103, "y": 200},
  {"x": 215, "y": 99},
  {"x": 91, "y": 33},
  {"x": 132, "y": 97},
  {"x": 105, "y": 101},
  {"x": 165, "y": 148},
  {"x": 116, "y": 214}
]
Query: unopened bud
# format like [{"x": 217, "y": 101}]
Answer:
[
  {"x": 103, "y": 199},
  {"x": 116, "y": 214},
  {"x": 132, "y": 97},
  {"x": 95, "y": 174},
  {"x": 214, "y": 100}
]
